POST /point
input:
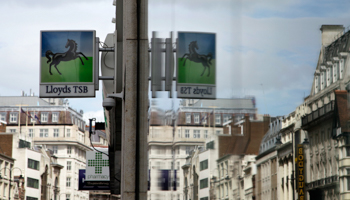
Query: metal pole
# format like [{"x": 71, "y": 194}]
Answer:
[
  {"x": 10, "y": 185},
  {"x": 293, "y": 183},
  {"x": 293, "y": 165}
]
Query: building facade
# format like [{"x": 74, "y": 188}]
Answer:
[
  {"x": 326, "y": 156},
  {"x": 267, "y": 163},
  {"x": 8, "y": 188},
  {"x": 50, "y": 124},
  {"x": 174, "y": 135}
]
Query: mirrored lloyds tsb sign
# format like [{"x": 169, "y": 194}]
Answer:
[{"x": 196, "y": 65}]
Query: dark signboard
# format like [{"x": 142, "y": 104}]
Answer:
[
  {"x": 301, "y": 176},
  {"x": 91, "y": 185}
]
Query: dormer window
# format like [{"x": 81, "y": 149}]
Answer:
[
  {"x": 44, "y": 117},
  {"x": 188, "y": 118},
  {"x": 13, "y": 117},
  {"x": 54, "y": 117},
  {"x": 218, "y": 119},
  {"x": 196, "y": 118}
]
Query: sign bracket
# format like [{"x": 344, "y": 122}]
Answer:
[
  {"x": 117, "y": 95},
  {"x": 106, "y": 49}
]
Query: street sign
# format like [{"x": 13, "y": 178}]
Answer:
[
  {"x": 196, "y": 65},
  {"x": 67, "y": 64},
  {"x": 97, "y": 168}
]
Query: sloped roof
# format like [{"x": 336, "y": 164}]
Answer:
[
  {"x": 96, "y": 137},
  {"x": 22, "y": 100},
  {"x": 342, "y": 109},
  {"x": 227, "y": 103},
  {"x": 268, "y": 140},
  {"x": 246, "y": 143}
]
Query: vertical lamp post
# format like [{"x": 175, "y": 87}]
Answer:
[{"x": 20, "y": 177}]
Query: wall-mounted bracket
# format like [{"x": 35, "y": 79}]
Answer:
[
  {"x": 117, "y": 95},
  {"x": 106, "y": 49}
]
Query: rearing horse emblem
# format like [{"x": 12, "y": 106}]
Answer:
[
  {"x": 199, "y": 58},
  {"x": 71, "y": 54}
]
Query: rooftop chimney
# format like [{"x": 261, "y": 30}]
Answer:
[{"x": 330, "y": 33}]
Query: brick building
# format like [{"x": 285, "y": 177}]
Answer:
[{"x": 245, "y": 137}]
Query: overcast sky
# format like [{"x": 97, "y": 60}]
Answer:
[{"x": 267, "y": 49}]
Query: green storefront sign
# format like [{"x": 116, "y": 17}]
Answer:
[{"x": 67, "y": 64}]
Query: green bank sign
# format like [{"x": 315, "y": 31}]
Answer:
[
  {"x": 67, "y": 64},
  {"x": 196, "y": 65}
]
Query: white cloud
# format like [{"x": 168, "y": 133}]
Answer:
[
  {"x": 98, "y": 115},
  {"x": 276, "y": 51}
]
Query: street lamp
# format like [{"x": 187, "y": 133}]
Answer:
[
  {"x": 20, "y": 177},
  {"x": 306, "y": 142},
  {"x": 278, "y": 142}
]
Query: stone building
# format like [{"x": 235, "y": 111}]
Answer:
[
  {"x": 326, "y": 157},
  {"x": 267, "y": 163},
  {"x": 341, "y": 133},
  {"x": 50, "y": 124},
  {"x": 34, "y": 173},
  {"x": 6, "y": 166},
  {"x": 217, "y": 170},
  {"x": 174, "y": 135}
]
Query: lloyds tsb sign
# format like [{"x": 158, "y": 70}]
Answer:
[
  {"x": 301, "y": 176},
  {"x": 67, "y": 64}
]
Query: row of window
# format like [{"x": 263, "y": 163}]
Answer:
[
  {"x": 196, "y": 134},
  {"x": 44, "y": 117},
  {"x": 56, "y": 133},
  {"x": 69, "y": 166},
  {"x": 326, "y": 77},
  {"x": 161, "y": 150},
  {"x": 203, "y": 118},
  {"x": 162, "y": 165},
  {"x": 45, "y": 132},
  {"x": 81, "y": 154}
]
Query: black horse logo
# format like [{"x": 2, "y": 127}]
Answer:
[
  {"x": 71, "y": 54},
  {"x": 199, "y": 58}
]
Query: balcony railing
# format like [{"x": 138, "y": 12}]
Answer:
[
  {"x": 318, "y": 113},
  {"x": 322, "y": 182}
]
